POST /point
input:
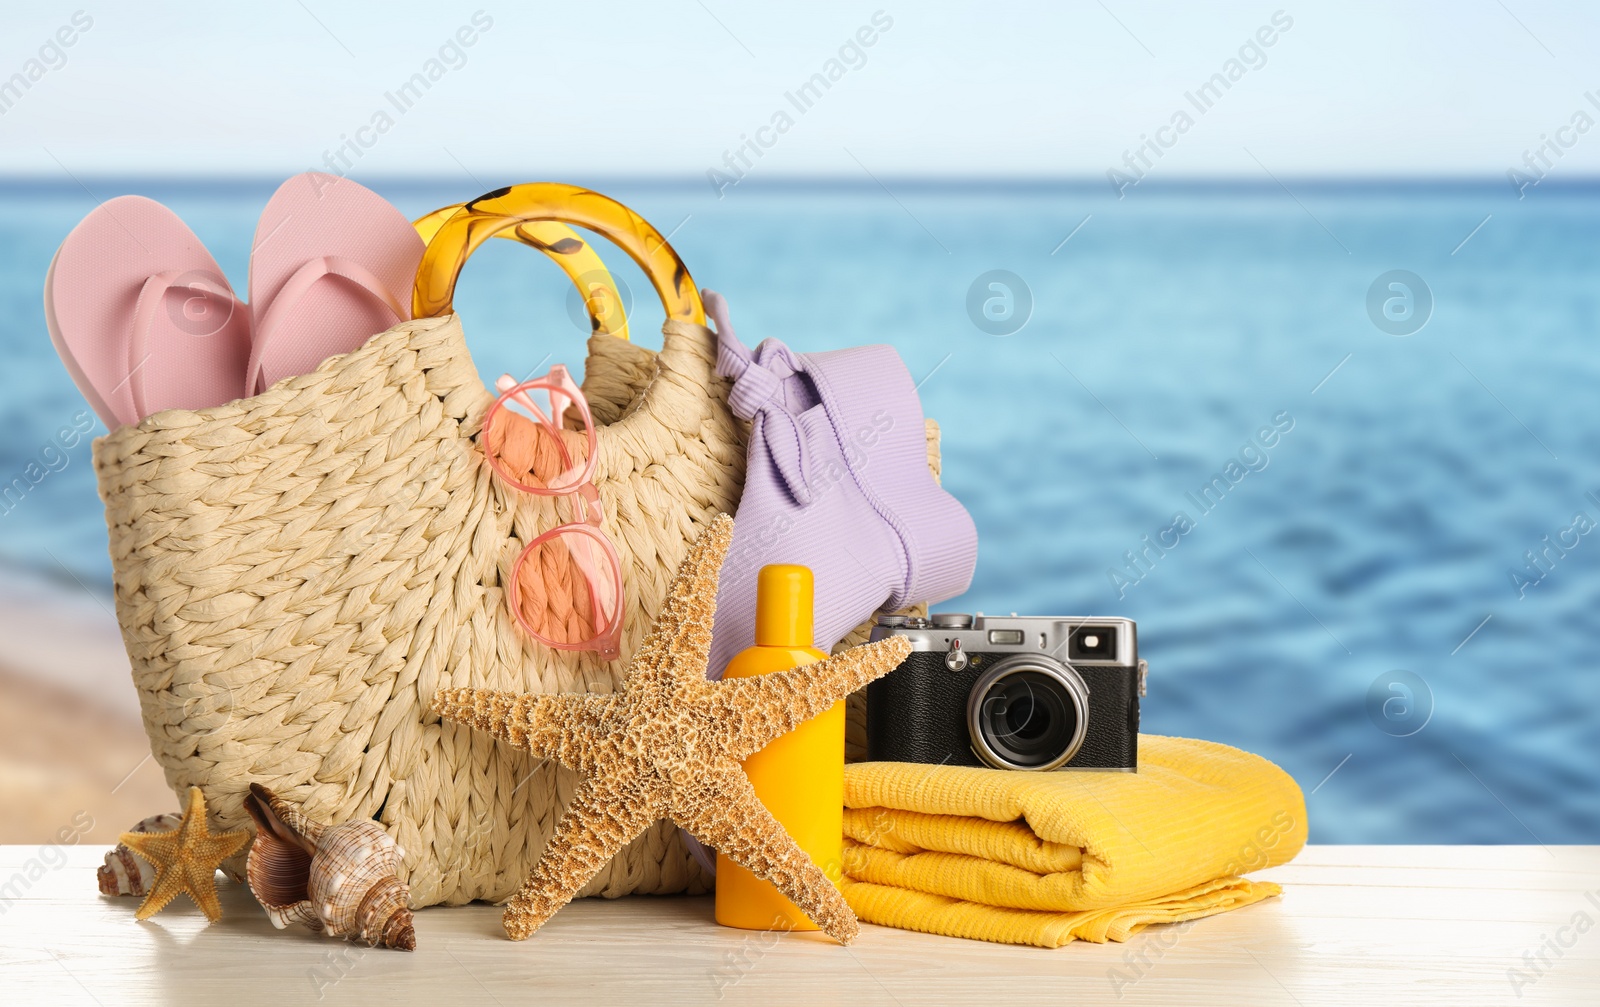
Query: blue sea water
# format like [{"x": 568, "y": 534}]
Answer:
[{"x": 1378, "y": 534}]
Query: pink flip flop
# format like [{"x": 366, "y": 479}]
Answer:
[
  {"x": 333, "y": 265},
  {"x": 142, "y": 316}
]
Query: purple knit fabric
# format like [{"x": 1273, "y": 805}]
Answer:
[{"x": 836, "y": 480}]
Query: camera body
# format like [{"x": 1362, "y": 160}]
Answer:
[{"x": 1017, "y": 692}]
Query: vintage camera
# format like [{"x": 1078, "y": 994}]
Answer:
[{"x": 1018, "y": 692}]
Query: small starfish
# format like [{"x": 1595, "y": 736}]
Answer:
[
  {"x": 186, "y": 860},
  {"x": 670, "y": 746}
]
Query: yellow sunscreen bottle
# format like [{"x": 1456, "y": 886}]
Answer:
[{"x": 800, "y": 776}]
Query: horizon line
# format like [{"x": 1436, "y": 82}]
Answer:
[{"x": 956, "y": 182}]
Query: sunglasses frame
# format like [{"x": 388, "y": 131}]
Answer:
[{"x": 575, "y": 482}]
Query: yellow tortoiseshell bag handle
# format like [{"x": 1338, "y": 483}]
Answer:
[
  {"x": 583, "y": 266},
  {"x": 515, "y": 208}
]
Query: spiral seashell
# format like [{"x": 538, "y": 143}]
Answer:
[
  {"x": 337, "y": 879},
  {"x": 123, "y": 873}
]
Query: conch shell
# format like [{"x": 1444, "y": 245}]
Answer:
[
  {"x": 123, "y": 873},
  {"x": 338, "y": 879}
]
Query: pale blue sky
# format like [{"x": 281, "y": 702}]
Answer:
[{"x": 666, "y": 88}]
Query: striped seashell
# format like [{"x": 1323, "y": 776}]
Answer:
[
  {"x": 337, "y": 879},
  {"x": 126, "y": 873}
]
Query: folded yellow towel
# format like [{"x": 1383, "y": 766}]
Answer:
[{"x": 1048, "y": 858}]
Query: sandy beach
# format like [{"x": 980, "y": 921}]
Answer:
[
  {"x": 61, "y": 757},
  {"x": 71, "y": 742}
]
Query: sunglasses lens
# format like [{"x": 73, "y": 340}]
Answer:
[
  {"x": 539, "y": 439},
  {"x": 568, "y": 588}
]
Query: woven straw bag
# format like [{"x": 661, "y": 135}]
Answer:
[{"x": 298, "y": 573}]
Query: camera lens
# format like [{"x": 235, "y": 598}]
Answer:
[{"x": 1028, "y": 713}]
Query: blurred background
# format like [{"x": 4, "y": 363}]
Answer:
[{"x": 1114, "y": 241}]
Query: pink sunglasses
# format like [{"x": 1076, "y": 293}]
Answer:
[{"x": 566, "y": 586}]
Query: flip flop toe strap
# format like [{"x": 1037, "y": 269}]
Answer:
[
  {"x": 294, "y": 291},
  {"x": 202, "y": 286}
]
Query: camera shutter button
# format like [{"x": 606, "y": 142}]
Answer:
[{"x": 956, "y": 659}]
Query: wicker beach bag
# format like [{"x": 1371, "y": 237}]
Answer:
[{"x": 298, "y": 573}]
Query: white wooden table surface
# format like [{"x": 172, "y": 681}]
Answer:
[{"x": 1356, "y": 924}]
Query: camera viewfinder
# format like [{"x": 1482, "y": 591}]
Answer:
[{"x": 1092, "y": 643}]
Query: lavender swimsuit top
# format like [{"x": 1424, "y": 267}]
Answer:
[{"x": 837, "y": 480}]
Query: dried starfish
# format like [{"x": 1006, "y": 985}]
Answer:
[
  {"x": 186, "y": 860},
  {"x": 669, "y": 746}
]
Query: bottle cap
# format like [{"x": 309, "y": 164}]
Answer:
[{"x": 784, "y": 596}]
